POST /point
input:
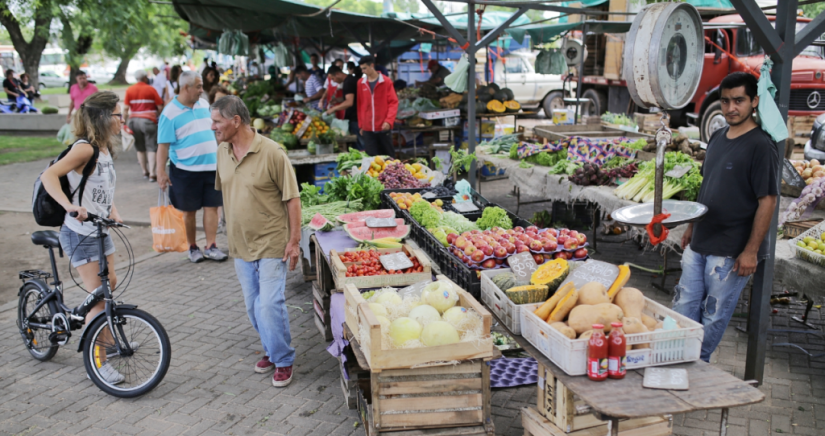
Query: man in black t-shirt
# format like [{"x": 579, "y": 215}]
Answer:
[
  {"x": 438, "y": 73},
  {"x": 11, "y": 86},
  {"x": 349, "y": 104},
  {"x": 740, "y": 188}
]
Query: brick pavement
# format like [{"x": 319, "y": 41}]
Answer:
[{"x": 211, "y": 389}]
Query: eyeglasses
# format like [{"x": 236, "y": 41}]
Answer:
[{"x": 119, "y": 116}]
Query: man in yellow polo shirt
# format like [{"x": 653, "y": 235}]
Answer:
[{"x": 263, "y": 222}]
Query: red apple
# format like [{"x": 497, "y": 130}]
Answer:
[
  {"x": 524, "y": 238},
  {"x": 475, "y": 232},
  {"x": 553, "y": 232},
  {"x": 538, "y": 258},
  {"x": 522, "y": 249},
  {"x": 564, "y": 231},
  {"x": 511, "y": 248},
  {"x": 563, "y": 238},
  {"x": 500, "y": 251},
  {"x": 470, "y": 249},
  {"x": 580, "y": 253},
  {"x": 547, "y": 256},
  {"x": 560, "y": 255},
  {"x": 533, "y": 229},
  {"x": 500, "y": 261},
  {"x": 532, "y": 235},
  {"x": 550, "y": 245},
  {"x": 451, "y": 238},
  {"x": 460, "y": 242},
  {"x": 489, "y": 263},
  {"x": 571, "y": 244},
  {"x": 494, "y": 229},
  {"x": 467, "y": 235},
  {"x": 581, "y": 238},
  {"x": 477, "y": 256},
  {"x": 573, "y": 233},
  {"x": 536, "y": 245},
  {"x": 487, "y": 250},
  {"x": 568, "y": 255},
  {"x": 512, "y": 239},
  {"x": 518, "y": 229}
]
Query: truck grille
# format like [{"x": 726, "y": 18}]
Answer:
[{"x": 801, "y": 97}]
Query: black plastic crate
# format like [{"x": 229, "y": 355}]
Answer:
[{"x": 450, "y": 265}]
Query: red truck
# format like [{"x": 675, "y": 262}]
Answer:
[{"x": 731, "y": 35}]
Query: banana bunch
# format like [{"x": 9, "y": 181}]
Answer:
[{"x": 388, "y": 242}]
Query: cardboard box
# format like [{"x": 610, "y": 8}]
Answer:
[{"x": 439, "y": 114}]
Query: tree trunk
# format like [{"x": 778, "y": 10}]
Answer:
[
  {"x": 31, "y": 51},
  {"x": 120, "y": 74}
]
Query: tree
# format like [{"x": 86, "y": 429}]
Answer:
[
  {"x": 77, "y": 34},
  {"x": 38, "y": 12},
  {"x": 149, "y": 26}
]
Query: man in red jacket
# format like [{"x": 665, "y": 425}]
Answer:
[{"x": 377, "y": 107}]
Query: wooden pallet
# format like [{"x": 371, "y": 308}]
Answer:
[
  {"x": 536, "y": 425},
  {"x": 321, "y": 305}
]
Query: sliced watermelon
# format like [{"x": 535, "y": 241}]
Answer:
[
  {"x": 319, "y": 222},
  {"x": 361, "y": 216},
  {"x": 398, "y": 221},
  {"x": 365, "y": 233}
]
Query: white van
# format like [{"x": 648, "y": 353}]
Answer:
[{"x": 530, "y": 88}]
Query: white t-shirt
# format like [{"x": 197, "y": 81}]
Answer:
[
  {"x": 159, "y": 83},
  {"x": 98, "y": 195}
]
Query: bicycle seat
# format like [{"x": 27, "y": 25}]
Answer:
[{"x": 47, "y": 238}]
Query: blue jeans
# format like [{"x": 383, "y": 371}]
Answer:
[
  {"x": 262, "y": 282},
  {"x": 707, "y": 293},
  {"x": 355, "y": 130}
]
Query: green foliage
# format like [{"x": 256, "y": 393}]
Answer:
[
  {"x": 492, "y": 217},
  {"x": 461, "y": 160},
  {"x": 357, "y": 187},
  {"x": 311, "y": 195},
  {"x": 547, "y": 159},
  {"x": 425, "y": 214}
]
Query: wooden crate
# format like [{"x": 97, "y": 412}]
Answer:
[
  {"x": 339, "y": 271},
  {"x": 613, "y": 59},
  {"x": 359, "y": 316},
  {"x": 649, "y": 122},
  {"x": 322, "y": 268},
  {"x": 443, "y": 400},
  {"x": 356, "y": 377},
  {"x": 801, "y": 126},
  {"x": 320, "y": 305},
  {"x": 793, "y": 229},
  {"x": 536, "y": 425}
]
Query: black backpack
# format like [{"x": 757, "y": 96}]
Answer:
[{"x": 47, "y": 211}]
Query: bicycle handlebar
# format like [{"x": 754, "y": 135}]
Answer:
[{"x": 94, "y": 218}]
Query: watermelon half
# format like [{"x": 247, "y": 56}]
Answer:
[
  {"x": 398, "y": 221},
  {"x": 361, "y": 216},
  {"x": 319, "y": 222},
  {"x": 365, "y": 233}
]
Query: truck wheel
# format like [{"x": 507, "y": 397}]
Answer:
[
  {"x": 712, "y": 120},
  {"x": 598, "y": 102},
  {"x": 554, "y": 100}
]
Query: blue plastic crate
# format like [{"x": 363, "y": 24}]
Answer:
[
  {"x": 490, "y": 170},
  {"x": 326, "y": 171}
]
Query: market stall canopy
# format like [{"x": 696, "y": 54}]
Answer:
[
  {"x": 541, "y": 33},
  {"x": 489, "y": 20},
  {"x": 282, "y": 19}
]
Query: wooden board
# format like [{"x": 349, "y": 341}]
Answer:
[
  {"x": 558, "y": 404},
  {"x": 627, "y": 398},
  {"x": 793, "y": 229},
  {"x": 536, "y": 425},
  {"x": 339, "y": 271},
  {"x": 322, "y": 268},
  {"x": 380, "y": 359}
]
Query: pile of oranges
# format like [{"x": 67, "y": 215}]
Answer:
[
  {"x": 316, "y": 127},
  {"x": 405, "y": 200}
]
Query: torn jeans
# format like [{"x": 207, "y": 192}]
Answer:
[{"x": 707, "y": 293}]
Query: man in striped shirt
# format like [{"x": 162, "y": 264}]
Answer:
[
  {"x": 185, "y": 137},
  {"x": 141, "y": 107}
]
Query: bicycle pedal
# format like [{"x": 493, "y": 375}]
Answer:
[{"x": 60, "y": 338}]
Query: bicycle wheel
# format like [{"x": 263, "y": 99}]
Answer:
[
  {"x": 36, "y": 340},
  {"x": 135, "y": 374}
]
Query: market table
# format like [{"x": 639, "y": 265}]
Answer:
[
  {"x": 515, "y": 115},
  {"x": 710, "y": 388},
  {"x": 302, "y": 157}
]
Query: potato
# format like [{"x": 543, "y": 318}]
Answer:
[
  {"x": 564, "y": 329},
  {"x": 632, "y": 301},
  {"x": 593, "y": 293},
  {"x": 582, "y": 318}
]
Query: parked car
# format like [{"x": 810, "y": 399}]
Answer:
[
  {"x": 50, "y": 79},
  {"x": 530, "y": 88}
]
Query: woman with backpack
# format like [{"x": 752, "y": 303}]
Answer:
[{"x": 97, "y": 124}]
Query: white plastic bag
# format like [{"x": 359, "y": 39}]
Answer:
[{"x": 457, "y": 81}]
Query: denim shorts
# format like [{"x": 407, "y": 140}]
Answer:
[{"x": 82, "y": 249}]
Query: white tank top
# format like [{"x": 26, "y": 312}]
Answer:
[{"x": 98, "y": 195}]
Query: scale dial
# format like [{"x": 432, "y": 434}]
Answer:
[{"x": 664, "y": 55}]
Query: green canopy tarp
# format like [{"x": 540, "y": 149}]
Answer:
[
  {"x": 541, "y": 33},
  {"x": 489, "y": 20}
]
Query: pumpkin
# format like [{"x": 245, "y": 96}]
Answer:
[
  {"x": 512, "y": 106},
  {"x": 509, "y": 92},
  {"x": 527, "y": 294},
  {"x": 500, "y": 96},
  {"x": 495, "y": 106},
  {"x": 551, "y": 273},
  {"x": 621, "y": 280},
  {"x": 504, "y": 281}
]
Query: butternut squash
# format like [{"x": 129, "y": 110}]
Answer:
[
  {"x": 566, "y": 304},
  {"x": 586, "y": 335},
  {"x": 621, "y": 280},
  {"x": 649, "y": 322},
  {"x": 582, "y": 318},
  {"x": 564, "y": 329},
  {"x": 593, "y": 293},
  {"x": 632, "y": 301},
  {"x": 544, "y": 310},
  {"x": 632, "y": 325}
]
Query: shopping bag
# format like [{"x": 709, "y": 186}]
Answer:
[
  {"x": 457, "y": 81},
  {"x": 168, "y": 229},
  {"x": 127, "y": 139},
  {"x": 769, "y": 115}
]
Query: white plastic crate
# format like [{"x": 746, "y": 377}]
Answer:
[
  {"x": 666, "y": 347},
  {"x": 808, "y": 255},
  {"x": 497, "y": 301}
]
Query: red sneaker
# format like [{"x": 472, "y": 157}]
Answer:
[
  {"x": 282, "y": 376},
  {"x": 264, "y": 365}
]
